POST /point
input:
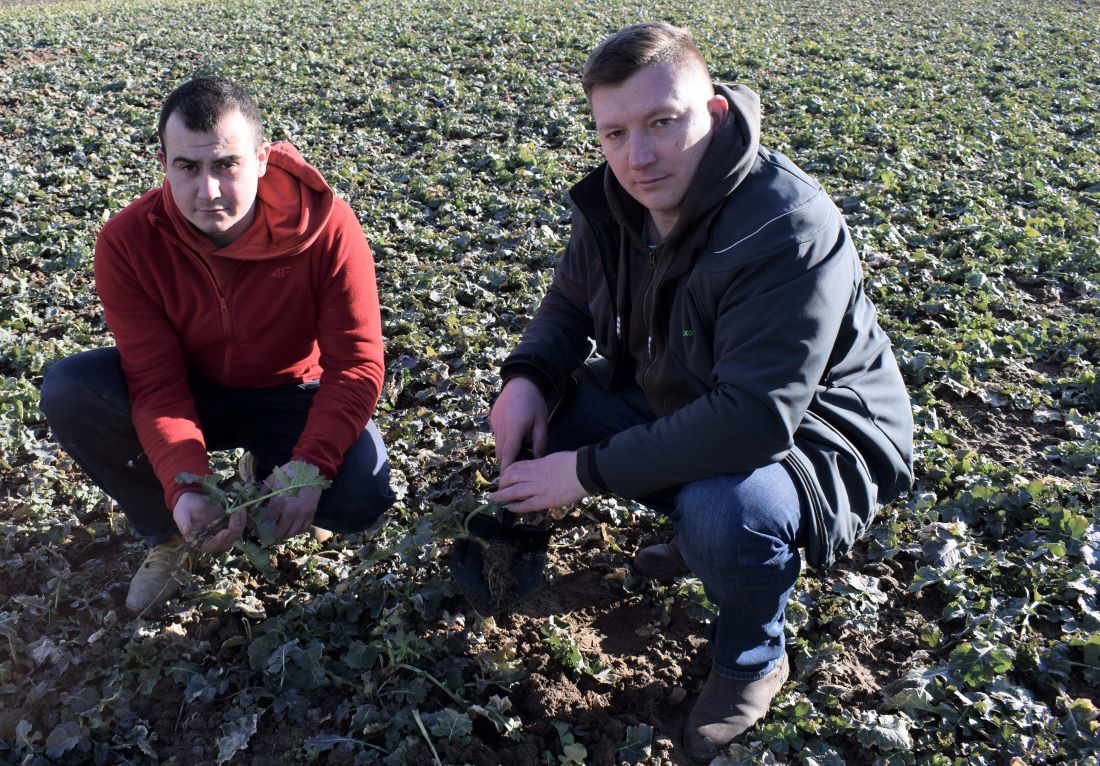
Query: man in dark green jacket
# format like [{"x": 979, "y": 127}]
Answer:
[{"x": 740, "y": 382}]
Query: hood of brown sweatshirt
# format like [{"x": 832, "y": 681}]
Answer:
[{"x": 293, "y": 204}]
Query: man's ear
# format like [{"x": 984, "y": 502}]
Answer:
[
  {"x": 718, "y": 108},
  {"x": 162, "y": 160},
  {"x": 262, "y": 153}
]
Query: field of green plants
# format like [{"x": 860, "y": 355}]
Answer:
[{"x": 961, "y": 141}]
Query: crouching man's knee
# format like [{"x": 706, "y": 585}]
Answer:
[
  {"x": 361, "y": 491},
  {"x": 740, "y": 520},
  {"x": 86, "y": 388}
]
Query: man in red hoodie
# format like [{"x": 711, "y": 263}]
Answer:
[{"x": 242, "y": 300}]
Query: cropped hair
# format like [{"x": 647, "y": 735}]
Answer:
[
  {"x": 636, "y": 47},
  {"x": 202, "y": 102}
]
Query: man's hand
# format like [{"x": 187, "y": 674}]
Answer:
[
  {"x": 292, "y": 515},
  {"x": 518, "y": 413},
  {"x": 537, "y": 485},
  {"x": 194, "y": 512}
]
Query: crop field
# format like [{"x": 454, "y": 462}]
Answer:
[{"x": 960, "y": 139}]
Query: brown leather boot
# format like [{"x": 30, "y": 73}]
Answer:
[
  {"x": 661, "y": 562},
  {"x": 726, "y": 708}
]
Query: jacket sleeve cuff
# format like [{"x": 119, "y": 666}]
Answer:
[
  {"x": 588, "y": 473},
  {"x": 526, "y": 367}
]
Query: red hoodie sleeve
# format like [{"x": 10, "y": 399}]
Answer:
[
  {"x": 349, "y": 335},
  {"x": 162, "y": 408}
]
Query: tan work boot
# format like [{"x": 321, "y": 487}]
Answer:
[
  {"x": 157, "y": 579},
  {"x": 726, "y": 708},
  {"x": 661, "y": 562},
  {"x": 248, "y": 471},
  {"x": 320, "y": 535}
]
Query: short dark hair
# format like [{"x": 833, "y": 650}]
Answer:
[
  {"x": 636, "y": 47},
  {"x": 202, "y": 102}
]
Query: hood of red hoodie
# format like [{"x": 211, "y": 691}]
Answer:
[{"x": 293, "y": 204}]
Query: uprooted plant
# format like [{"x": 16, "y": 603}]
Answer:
[
  {"x": 235, "y": 494},
  {"x": 497, "y": 560},
  {"x": 252, "y": 497}
]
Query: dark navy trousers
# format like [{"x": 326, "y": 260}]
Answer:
[{"x": 85, "y": 400}]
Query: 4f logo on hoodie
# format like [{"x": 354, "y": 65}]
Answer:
[{"x": 281, "y": 272}]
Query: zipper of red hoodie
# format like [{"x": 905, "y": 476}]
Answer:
[
  {"x": 225, "y": 334},
  {"x": 223, "y": 305}
]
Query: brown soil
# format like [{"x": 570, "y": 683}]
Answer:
[{"x": 660, "y": 660}]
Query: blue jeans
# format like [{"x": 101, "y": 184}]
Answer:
[
  {"x": 85, "y": 400},
  {"x": 739, "y": 533}
]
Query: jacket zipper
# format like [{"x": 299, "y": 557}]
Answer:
[
  {"x": 647, "y": 300},
  {"x": 223, "y": 311},
  {"x": 225, "y": 334}
]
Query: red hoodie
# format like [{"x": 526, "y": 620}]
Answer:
[{"x": 298, "y": 302}]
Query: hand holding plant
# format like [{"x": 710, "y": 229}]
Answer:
[
  {"x": 227, "y": 510},
  {"x": 194, "y": 512},
  {"x": 293, "y": 511}
]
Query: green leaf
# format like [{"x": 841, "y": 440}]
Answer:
[
  {"x": 451, "y": 725},
  {"x": 979, "y": 662},
  {"x": 235, "y": 736},
  {"x": 297, "y": 475},
  {"x": 209, "y": 484},
  {"x": 324, "y": 742},
  {"x": 573, "y": 755},
  {"x": 65, "y": 736},
  {"x": 496, "y": 712},
  {"x": 885, "y": 732},
  {"x": 638, "y": 744},
  {"x": 259, "y": 558}
]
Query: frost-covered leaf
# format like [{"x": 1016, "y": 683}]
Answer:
[
  {"x": 65, "y": 736},
  {"x": 496, "y": 711},
  {"x": 916, "y": 690},
  {"x": 451, "y": 725},
  {"x": 45, "y": 650},
  {"x": 638, "y": 744},
  {"x": 885, "y": 732},
  {"x": 324, "y": 742},
  {"x": 235, "y": 736}
]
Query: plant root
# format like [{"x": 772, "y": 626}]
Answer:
[{"x": 498, "y": 565}]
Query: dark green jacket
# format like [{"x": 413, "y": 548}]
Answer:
[{"x": 749, "y": 333}]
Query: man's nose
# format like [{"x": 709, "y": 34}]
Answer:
[
  {"x": 641, "y": 151},
  {"x": 210, "y": 187}
]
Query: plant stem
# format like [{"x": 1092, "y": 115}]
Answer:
[
  {"x": 273, "y": 493},
  {"x": 420, "y": 725},
  {"x": 430, "y": 677}
]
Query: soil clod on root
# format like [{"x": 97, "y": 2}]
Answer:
[{"x": 499, "y": 564}]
